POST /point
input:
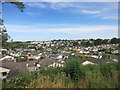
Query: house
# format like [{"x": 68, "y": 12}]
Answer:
[
  {"x": 31, "y": 65},
  {"x": 4, "y": 72},
  {"x": 15, "y": 68},
  {"x": 115, "y": 57},
  {"x": 3, "y": 49},
  {"x": 86, "y": 52},
  {"x": 94, "y": 56},
  {"x": 81, "y": 51},
  {"x": 7, "y": 57},
  {"x": 87, "y": 62},
  {"x": 45, "y": 62},
  {"x": 59, "y": 57},
  {"x": 95, "y": 49},
  {"x": 72, "y": 54},
  {"x": 37, "y": 57},
  {"x": 62, "y": 61},
  {"x": 55, "y": 65},
  {"x": 31, "y": 58},
  {"x": 115, "y": 51},
  {"x": 55, "y": 56},
  {"x": 38, "y": 65},
  {"x": 115, "y": 60}
]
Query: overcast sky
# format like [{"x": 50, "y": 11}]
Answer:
[{"x": 61, "y": 20}]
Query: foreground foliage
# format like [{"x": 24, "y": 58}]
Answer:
[{"x": 72, "y": 75}]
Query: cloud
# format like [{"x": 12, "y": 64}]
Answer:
[
  {"x": 62, "y": 5},
  {"x": 98, "y": 10},
  {"x": 90, "y": 12},
  {"x": 84, "y": 29},
  {"x": 55, "y": 5},
  {"x": 111, "y": 17},
  {"x": 35, "y": 4},
  {"x": 33, "y": 13},
  {"x": 60, "y": 31},
  {"x": 17, "y": 26},
  {"x": 70, "y": 29}
]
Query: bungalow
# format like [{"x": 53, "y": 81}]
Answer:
[
  {"x": 7, "y": 57},
  {"x": 95, "y": 49},
  {"x": 55, "y": 56},
  {"x": 31, "y": 65},
  {"x": 3, "y": 49},
  {"x": 115, "y": 51},
  {"x": 31, "y": 58},
  {"x": 37, "y": 57},
  {"x": 62, "y": 61},
  {"x": 87, "y": 62},
  {"x": 81, "y": 51},
  {"x": 94, "y": 56},
  {"x": 4, "y": 72},
  {"x": 86, "y": 52},
  {"x": 15, "y": 68},
  {"x": 56, "y": 65}
]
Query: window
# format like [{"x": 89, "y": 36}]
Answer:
[{"x": 4, "y": 73}]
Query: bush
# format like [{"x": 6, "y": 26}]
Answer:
[
  {"x": 20, "y": 81},
  {"x": 107, "y": 69},
  {"x": 84, "y": 57},
  {"x": 4, "y": 52},
  {"x": 75, "y": 69},
  {"x": 42, "y": 57},
  {"x": 90, "y": 67},
  {"x": 51, "y": 71}
]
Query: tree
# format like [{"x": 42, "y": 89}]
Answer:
[
  {"x": 107, "y": 69},
  {"x": 98, "y": 42},
  {"x": 75, "y": 69},
  {"x": 83, "y": 43},
  {"x": 105, "y": 41},
  {"x": 42, "y": 57},
  {"x": 4, "y": 36},
  {"x": 17, "y": 4},
  {"x": 3, "y": 32},
  {"x": 75, "y": 43},
  {"x": 54, "y": 52},
  {"x": 114, "y": 40},
  {"x": 89, "y": 44}
]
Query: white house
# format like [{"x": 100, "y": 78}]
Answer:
[
  {"x": 59, "y": 57},
  {"x": 4, "y": 72},
  {"x": 94, "y": 56},
  {"x": 7, "y": 57},
  {"x": 56, "y": 65},
  {"x": 87, "y": 62},
  {"x": 37, "y": 57},
  {"x": 3, "y": 49},
  {"x": 81, "y": 51}
]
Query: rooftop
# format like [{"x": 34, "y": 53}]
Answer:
[{"x": 4, "y": 69}]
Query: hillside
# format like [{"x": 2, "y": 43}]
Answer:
[{"x": 72, "y": 75}]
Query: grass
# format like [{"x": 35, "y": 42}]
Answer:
[{"x": 104, "y": 75}]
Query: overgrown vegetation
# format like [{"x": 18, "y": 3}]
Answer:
[
  {"x": 74, "y": 69},
  {"x": 72, "y": 75}
]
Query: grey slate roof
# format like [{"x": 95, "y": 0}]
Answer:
[{"x": 15, "y": 68}]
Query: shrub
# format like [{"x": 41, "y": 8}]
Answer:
[
  {"x": 90, "y": 67},
  {"x": 42, "y": 57},
  {"x": 107, "y": 68},
  {"x": 75, "y": 69},
  {"x": 51, "y": 71},
  {"x": 84, "y": 57},
  {"x": 20, "y": 81}
]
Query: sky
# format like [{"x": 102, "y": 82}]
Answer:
[{"x": 61, "y": 20}]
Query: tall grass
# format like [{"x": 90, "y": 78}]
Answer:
[{"x": 72, "y": 75}]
